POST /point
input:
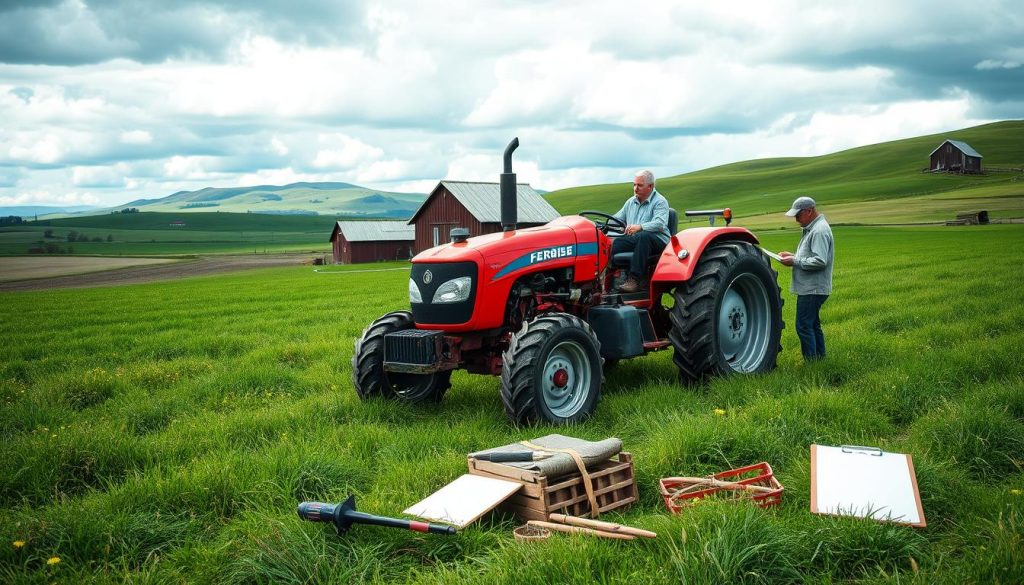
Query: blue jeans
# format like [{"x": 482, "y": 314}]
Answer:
[
  {"x": 642, "y": 245},
  {"x": 808, "y": 325}
]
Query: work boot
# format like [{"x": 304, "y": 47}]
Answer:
[{"x": 631, "y": 285}]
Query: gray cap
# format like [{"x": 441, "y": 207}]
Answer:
[{"x": 799, "y": 205}]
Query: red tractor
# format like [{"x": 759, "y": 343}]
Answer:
[{"x": 537, "y": 307}]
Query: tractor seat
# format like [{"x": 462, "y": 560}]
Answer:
[{"x": 621, "y": 260}]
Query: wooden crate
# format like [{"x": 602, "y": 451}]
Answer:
[{"x": 613, "y": 482}]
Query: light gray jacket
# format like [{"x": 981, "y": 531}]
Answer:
[
  {"x": 812, "y": 262},
  {"x": 651, "y": 215}
]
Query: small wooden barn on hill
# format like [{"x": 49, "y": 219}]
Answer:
[
  {"x": 475, "y": 206},
  {"x": 956, "y": 157},
  {"x": 354, "y": 242}
]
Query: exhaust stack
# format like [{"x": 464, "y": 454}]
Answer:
[{"x": 509, "y": 211}]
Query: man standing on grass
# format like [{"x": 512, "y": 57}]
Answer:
[{"x": 812, "y": 275}]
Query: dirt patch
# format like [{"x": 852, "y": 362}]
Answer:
[
  {"x": 175, "y": 269},
  {"x": 30, "y": 267}
]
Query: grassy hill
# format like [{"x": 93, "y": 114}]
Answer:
[
  {"x": 338, "y": 199},
  {"x": 868, "y": 178}
]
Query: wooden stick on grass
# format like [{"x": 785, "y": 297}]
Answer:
[
  {"x": 579, "y": 530},
  {"x": 599, "y": 525}
]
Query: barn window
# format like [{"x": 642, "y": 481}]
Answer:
[
  {"x": 949, "y": 148},
  {"x": 437, "y": 236}
]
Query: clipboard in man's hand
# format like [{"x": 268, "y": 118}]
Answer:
[{"x": 772, "y": 255}]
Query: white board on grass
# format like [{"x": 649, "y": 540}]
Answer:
[
  {"x": 865, "y": 482},
  {"x": 464, "y": 500}
]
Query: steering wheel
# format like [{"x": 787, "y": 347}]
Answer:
[{"x": 611, "y": 224}]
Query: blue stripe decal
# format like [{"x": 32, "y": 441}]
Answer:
[{"x": 545, "y": 254}]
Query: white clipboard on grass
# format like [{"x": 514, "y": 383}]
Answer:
[
  {"x": 464, "y": 500},
  {"x": 865, "y": 482}
]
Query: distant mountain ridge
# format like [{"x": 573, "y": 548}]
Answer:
[
  {"x": 303, "y": 198},
  {"x": 29, "y": 211}
]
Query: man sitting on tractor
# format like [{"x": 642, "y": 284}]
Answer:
[{"x": 646, "y": 218}]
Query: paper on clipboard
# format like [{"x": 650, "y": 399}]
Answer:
[
  {"x": 464, "y": 500},
  {"x": 865, "y": 482},
  {"x": 772, "y": 255}
]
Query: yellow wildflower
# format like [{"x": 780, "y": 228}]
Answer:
[
  {"x": 19, "y": 543},
  {"x": 52, "y": 560},
  {"x": 1015, "y": 492},
  {"x": 720, "y": 412}
]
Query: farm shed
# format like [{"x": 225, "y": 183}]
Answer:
[
  {"x": 355, "y": 242},
  {"x": 475, "y": 206},
  {"x": 956, "y": 157}
]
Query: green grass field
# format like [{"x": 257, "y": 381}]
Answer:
[
  {"x": 165, "y": 432},
  {"x": 151, "y": 233}
]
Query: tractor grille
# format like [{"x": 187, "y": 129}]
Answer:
[
  {"x": 442, "y": 313},
  {"x": 413, "y": 346}
]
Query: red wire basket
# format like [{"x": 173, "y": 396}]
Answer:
[{"x": 754, "y": 482}]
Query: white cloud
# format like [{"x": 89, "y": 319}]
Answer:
[
  {"x": 596, "y": 90},
  {"x": 339, "y": 151},
  {"x": 136, "y": 137},
  {"x": 381, "y": 172},
  {"x": 49, "y": 198},
  {"x": 109, "y": 176},
  {"x": 989, "y": 64},
  {"x": 45, "y": 149},
  {"x": 189, "y": 168},
  {"x": 421, "y": 186},
  {"x": 276, "y": 177},
  {"x": 278, "y": 146}
]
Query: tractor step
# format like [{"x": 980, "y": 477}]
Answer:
[{"x": 413, "y": 350}]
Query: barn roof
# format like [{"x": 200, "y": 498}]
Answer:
[
  {"x": 963, "y": 146},
  {"x": 483, "y": 201},
  {"x": 375, "y": 231}
]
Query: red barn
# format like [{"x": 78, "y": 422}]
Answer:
[
  {"x": 475, "y": 206},
  {"x": 956, "y": 157},
  {"x": 371, "y": 241}
]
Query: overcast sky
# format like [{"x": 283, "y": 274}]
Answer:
[{"x": 105, "y": 101}]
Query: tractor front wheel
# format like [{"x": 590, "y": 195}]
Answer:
[
  {"x": 728, "y": 317},
  {"x": 551, "y": 371},
  {"x": 368, "y": 373}
]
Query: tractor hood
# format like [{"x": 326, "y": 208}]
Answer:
[
  {"x": 562, "y": 242},
  {"x": 500, "y": 243}
]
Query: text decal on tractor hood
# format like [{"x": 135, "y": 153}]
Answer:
[{"x": 545, "y": 254}]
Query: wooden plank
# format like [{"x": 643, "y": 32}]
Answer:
[
  {"x": 617, "y": 504},
  {"x": 504, "y": 471},
  {"x": 521, "y": 499},
  {"x": 525, "y": 513},
  {"x": 577, "y": 479},
  {"x": 532, "y": 489}
]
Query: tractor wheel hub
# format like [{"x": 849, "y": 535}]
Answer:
[{"x": 561, "y": 378}]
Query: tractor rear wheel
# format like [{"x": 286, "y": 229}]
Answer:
[
  {"x": 728, "y": 317},
  {"x": 551, "y": 371},
  {"x": 368, "y": 373}
]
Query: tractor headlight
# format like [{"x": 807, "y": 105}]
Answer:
[
  {"x": 455, "y": 290},
  {"x": 414, "y": 292}
]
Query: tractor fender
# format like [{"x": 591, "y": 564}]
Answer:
[{"x": 671, "y": 269}]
